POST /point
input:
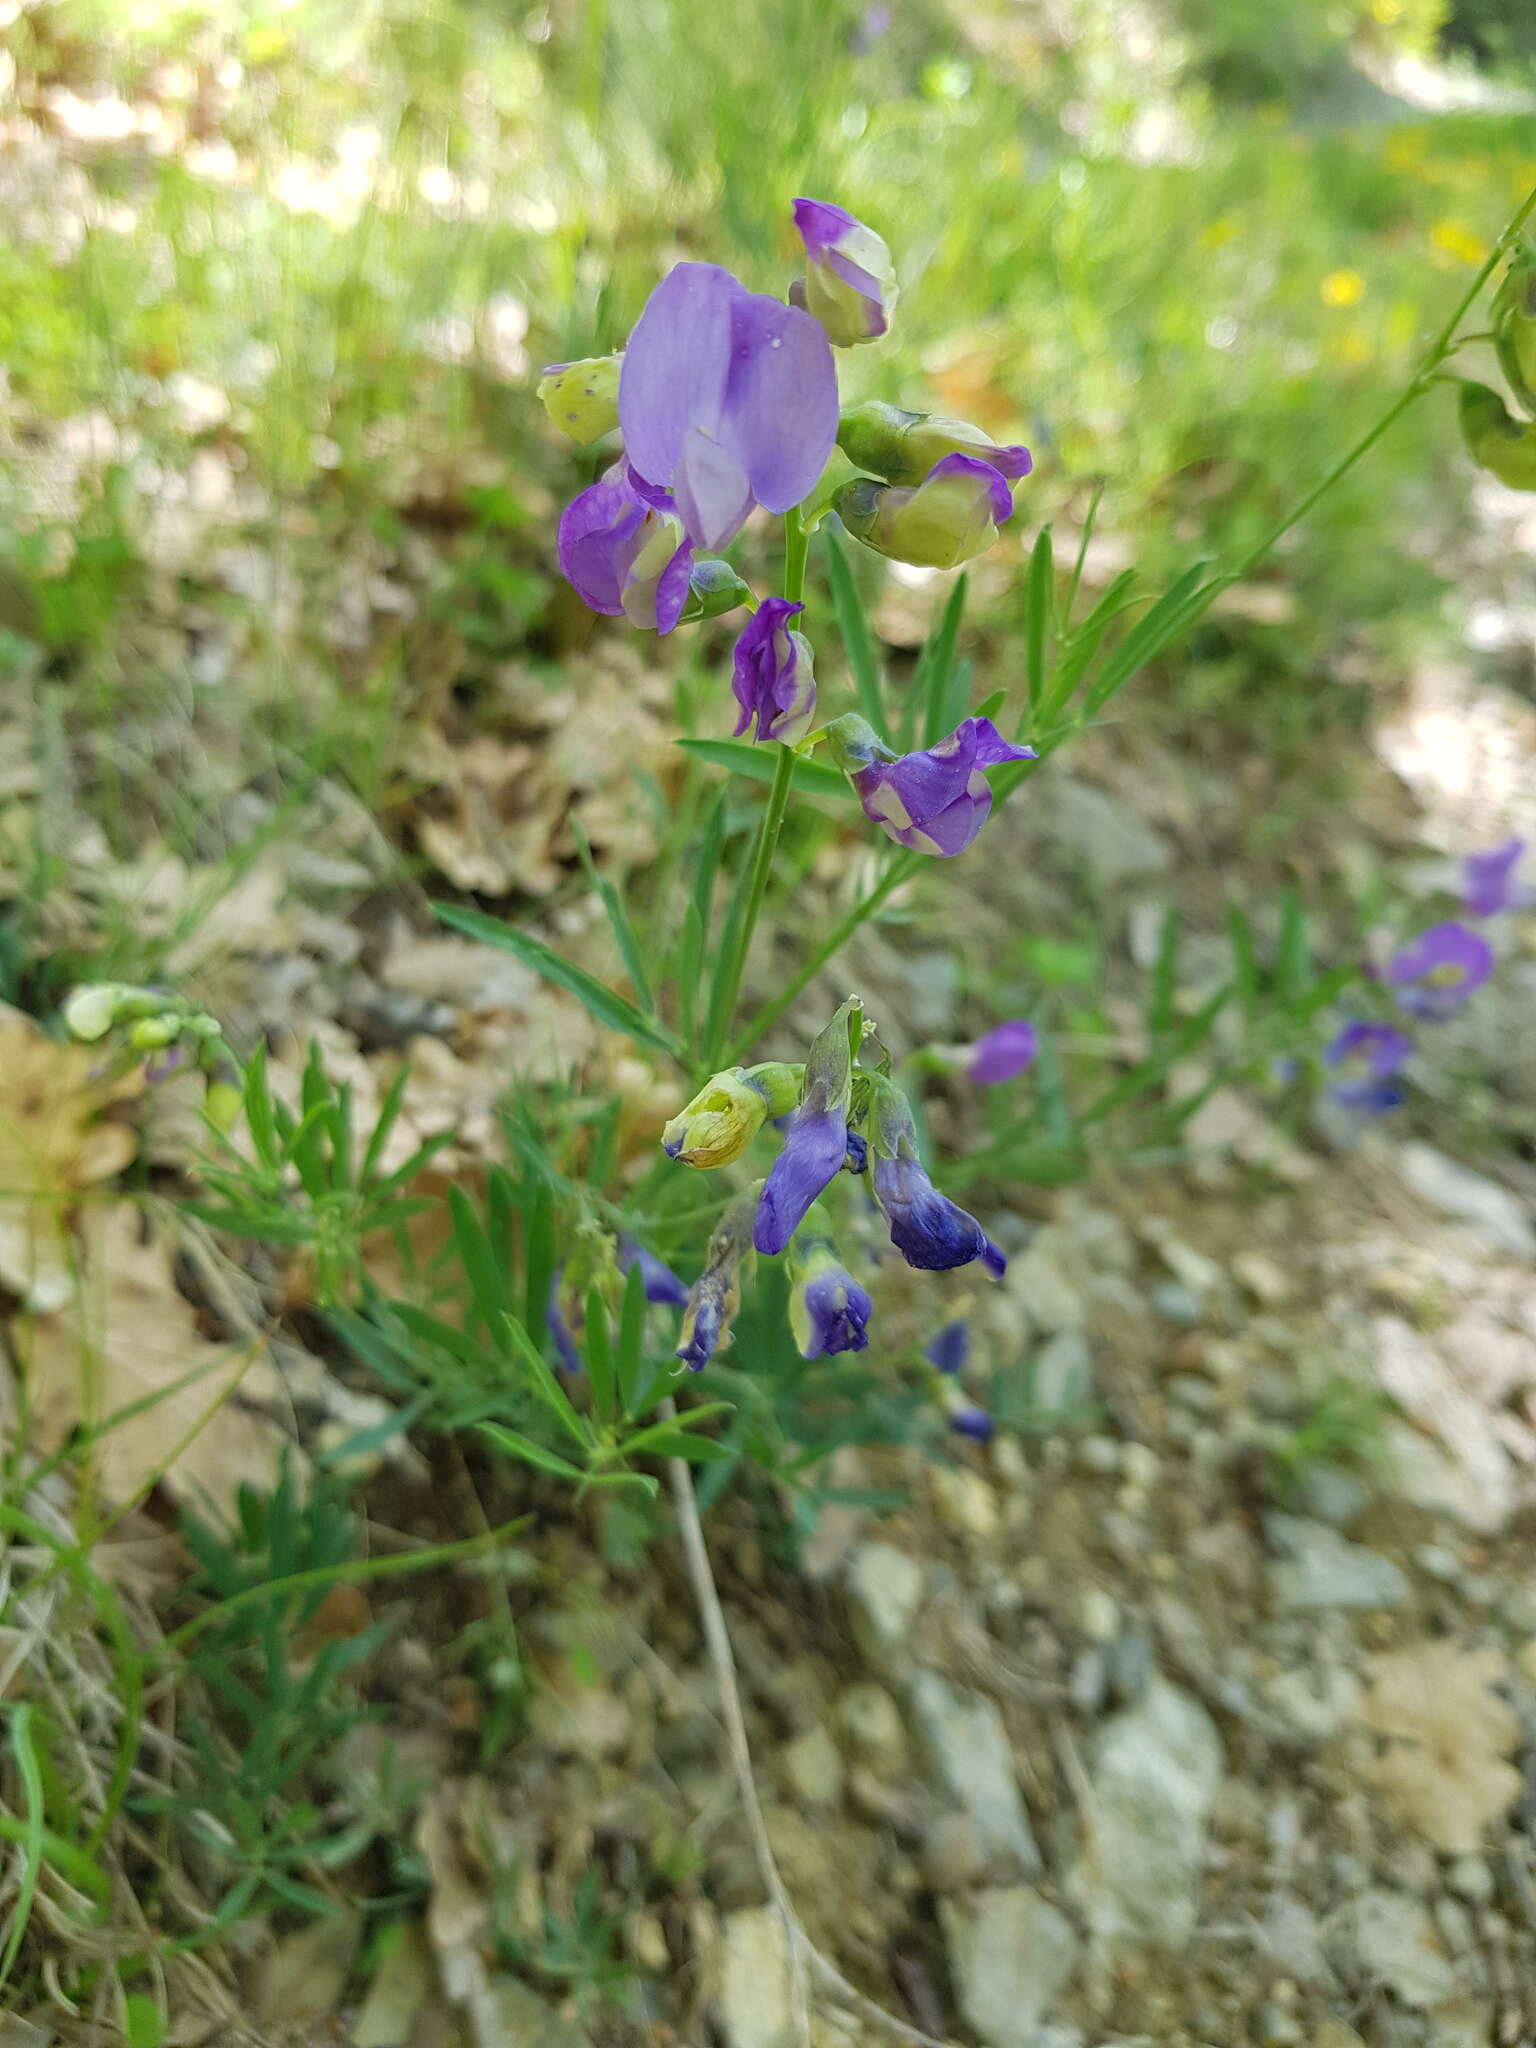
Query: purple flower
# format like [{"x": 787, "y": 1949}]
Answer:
[
  {"x": 1371, "y": 1054},
  {"x": 850, "y": 281},
  {"x": 726, "y": 399},
  {"x": 661, "y": 1283},
  {"x": 716, "y": 1295},
  {"x": 872, "y": 25},
  {"x": 929, "y": 1230},
  {"x": 950, "y": 1349},
  {"x": 772, "y": 674},
  {"x": 1436, "y": 972},
  {"x": 969, "y": 1420},
  {"x": 624, "y": 555},
  {"x": 1489, "y": 880},
  {"x": 857, "y": 1156},
  {"x": 948, "y": 519},
  {"x": 1003, "y": 1053},
  {"x": 816, "y": 1143},
  {"x": 829, "y": 1311},
  {"x": 935, "y": 801},
  {"x": 560, "y": 1329}
]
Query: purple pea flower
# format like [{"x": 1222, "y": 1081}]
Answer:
[
  {"x": 951, "y": 1348},
  {"x": 1489, "y": 884},
  {"x": 624, "y": 555},
  {"x": 857, "y": 1156},
  {"x": 948, "y": 519},
  {"x": 934, "y": 801},
  {"x": 816, "y": 1143},
  {"x": 850, "y": 281},
  {"x": 661, "y": 1283},
  {"x": 772, "y": 674},
  {"x": 968, "y": 1420},
  {"x": 929, "y": 1230},
  {"x": 727, "y": 399},
  {"x": 1370, "y": 1054},
  {"x": 1003, "y": 1053},
  {"x": 1435, "y": 973},
  {"x": 829, "y": 1311}
]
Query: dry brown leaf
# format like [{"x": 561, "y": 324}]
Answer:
[
  {"x": 53, "y": 1144},
  {"x": 1446, "y": 1735},
  {"x": 128, "y": 1334}
]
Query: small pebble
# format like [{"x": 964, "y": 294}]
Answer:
[
  {"x": 1471, "y": 1878},
  {"x": 1438, "y": 1562},
  {"x": 1100, "y": 1454},
  {"x": 1098, "y": 1614}
]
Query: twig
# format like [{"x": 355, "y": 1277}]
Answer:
[{"x": 802, "y": 1950}]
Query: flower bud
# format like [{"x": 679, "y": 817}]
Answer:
[
  {"x": 90, "y": 1012},
  {"x": 1514, "y": 326},
  {"x": 903, "y": 447},
  {"x": 153, "y": 1034},
  {"x": 728, "y": 1112},
  {"x": 850, "y": 281},
  {"x": 772, "y": 674},
  {"x": 583, "y": 398},
  {"x": 714, "y": 588},
  {"x": 222, "y": 1103},
  {"x": 1499, "y": 443},
  {"x": 949, "y": 519}
]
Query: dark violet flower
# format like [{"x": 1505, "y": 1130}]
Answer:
[
  {"x": 1489, "y": 880},
  {"x": 1366, "y": 1056},
  {"x": 829, "y": 1311},
  {"x": 661, "y": 1283},
  {"x": 1003, "y": 1053},
  {"x": 716, "y": 1295},
  {"x": 935, "y": 801},
  {"x": 560, "y": 1329},
  {"x": 929, "y": 1230},
  {"x": 625, "y": 556},
  {"x": 726, "y": 399},
  {"x": 857, "y": 1156},
  {"x": 950, "y": 1349},
  {"x": 948, "y": 519},
  {"x": 772, "y": 674},
  {"x": 816, "y": 1143},
  {"x": 1435, "y": 973},
  {"x": 967, "y": 1419},
  {"x": 903, "y": 447},
  {"x": 850, "y": 281}
]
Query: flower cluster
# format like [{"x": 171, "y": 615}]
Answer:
[
  {"x": 167, "y": 1031},
  {"x": 1431, "y": 977},
  {"x": 725, "y": 401}
]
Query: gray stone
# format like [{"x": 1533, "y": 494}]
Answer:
[
  {"x": 756, "y": 2003},
  {"x": 1011, "y": 1956},
  {"x": 1180, "y": 1304},
  {"x": 1391, "y": 1941},
  {"x": 1500, "y": 1219},
  {"x": 1061, "y": 1375},
  {"x": 504, "y": 2010},
  {"x": 885, "y": 1588},
  {"x": 954, "y": 1856},
  {"x": 966, "y": 1749},
  {"x": 1319, "y": 1569},
  {"x": 1331, "y": 1493},
  {"x": 1110, "y": 840},
  {"x": 1038, "y": 1279},
  {"x": 1313, "y": 1701},
  {"x": 872, "y": 1729},
  {"x": 1437, "y": 1561},
  {"x": 814, "y": 1769},
  {"x": 1156, "y": 1771},
  {"x": 1471, "y": 1878}
]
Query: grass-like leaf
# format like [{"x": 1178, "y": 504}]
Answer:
[{"x": 602, "y": 1003}]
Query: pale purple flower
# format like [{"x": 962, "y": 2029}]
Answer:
[
  {"x": 934, "y": 801},
  {"x": 624, "y": 555},
  {"x": 1367, "y": 1056},
  {"x": 772, "y": 674},
  {"x": 850, "y": 281},
  {"x": 1003, "y": 1053},
  {"x": 1435, "y": 973},
  {"x": 1489, "y": 880},
  {"x": 726, "y": 399}
]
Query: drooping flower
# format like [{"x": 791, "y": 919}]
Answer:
[
  {"x": 948, "y": 519},
  {"x": 829, "y": 1311},
  {"x": 934, "y": 801},
  {"x": 1003, "y": 1053},
  {"x": 1488, "y": 880},
  {"x": 850, "y": 281},
  {"x": 772, "y": 674},
  {"x": 625, "y": 556},
  {"x": 1435, "y": 973},
  {"x": 582, "y": 399},
  {"x": 903, "y": 447},
  {"x": 1366, "y": 1057},
  {"x": 949, "y": 1350},
  {"x": 715, "y": 1296},
  {"x": 816, "y": 1143},
  {"x": 929, "y": 1230},
  {"x": 726, "y": 399},
  {"x": 725, "y": 1116},
  {"x": 966, "y": 1419},
  {"x": 661, "y": 1283}
]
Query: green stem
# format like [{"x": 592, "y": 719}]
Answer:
[{"x": 797, "y": 543}]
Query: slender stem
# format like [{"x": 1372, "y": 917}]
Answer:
[{"x": 797, "y": 543}]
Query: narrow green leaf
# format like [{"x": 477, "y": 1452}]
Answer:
[
  {"x": 989, "y": 707},
  {"x": 143, "y": 2022},
  {"x": 631, "y": 1354},
  {"x": 600, "y": 1002},
  {"x": 618, "y": 920},
  {"x": 258, "y": 1109},
  {"x": 538, "y": 1255},
  {"x": 1245, "y": 959},
  {"x": 1078, "y": 650},
  {"x": 667, "y": 1442},
  {"x": 716, "y": 1022},
  {"x": 690, "y": 963},
  {"x": 938, "y": 658},
  {"x": 34, "y": 1839},
  {"x": 957, "y": 695},
  {"x": 481, "y": 1268},
  {"x": 858, "y": 644},
  {"x": 742, "y": 757},
  {"x": 1178, "y": 607},
  {"x": 660, "y": 1440},
  {"x": 1082, "y": 553},
  {"x": 1165, "y": 977},
  {"x": 545, "y": 1384},
  {"x": 1039, "y": 599},
  {"x": 524, "y": 1447},
  {"x": 1293, "y": 949},
  {"x": 599, "y": 1349},
  {"x": 709, "y": 863},
  {"x": 384, "y": 1123}
]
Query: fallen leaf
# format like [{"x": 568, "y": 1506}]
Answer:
[
  {"x": 128, "y": 1334},
  {"x": 1445, "y": 1737}
]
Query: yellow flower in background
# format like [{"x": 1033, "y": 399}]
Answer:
[
  {"x": 1221, "y": 231},
  {"x": 1342, "y": 288},
  {"x": 1455, "y": 238}
]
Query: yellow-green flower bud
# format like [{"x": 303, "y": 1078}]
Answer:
[
  {"x": 583, "y": 398},
  {"x": 1499, "y": 443},
  {"x": 903, "y": 446},
  {"x": 222, "y": 1103},
  {"x": 720, "y": 1122},
  {"x": 1514, "y": 327},
  {"x": 90, "y": 1012},
  {"x": 153, "y": 1034},
  {"x": 950, "y": 518}
]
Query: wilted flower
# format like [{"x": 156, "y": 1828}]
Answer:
[
  {"x": 583, "y": 398},
  {"x": 1488, "y": 880},
  {"x": 1499, "y": 443},
  {"x": 850, "y": 281},
  {"x": 1366, "y": 1057},
  {"x": 816, "y": 1143},
  {"x": 1003, "y": 1053},
  {"x": 1436, "y": 972},
  {"x": 661, "y": 1283},
  {"x": 929, "y": 1230},
  {"x": 728, "y": 1112},
  {"x": 949, "y": 1350},
  {"x": 716, "y": 1294},
  {"x": 772, "y": 674},
  {"x": 935, "y": 801},
  {"x": 903, "y": 447},
  {"x": 726, "y": 399},
  {"x": 829, "y": 1311},
  {"x": 950, "y": 518},
  {"x": 625, "y": 556}
]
